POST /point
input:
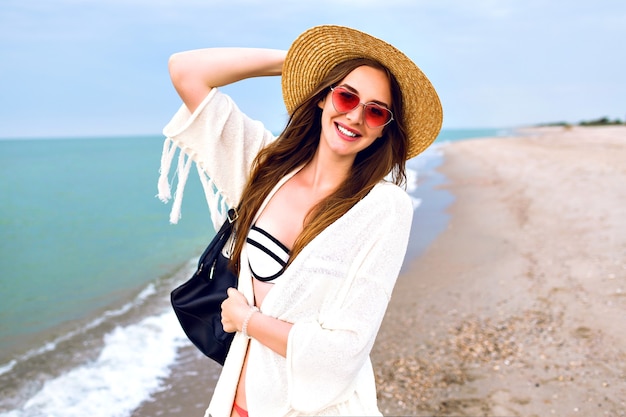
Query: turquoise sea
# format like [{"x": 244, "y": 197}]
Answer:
[{"x": 87, "y": 260}]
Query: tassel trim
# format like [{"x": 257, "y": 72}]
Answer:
[
  {"x": 163, "y": 185},
  {"x": 215, "y": 201}
]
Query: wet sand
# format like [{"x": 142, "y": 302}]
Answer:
[{"x": 518, "y": 308}]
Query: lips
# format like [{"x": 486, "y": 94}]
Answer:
[{"x": 348, "y": 134}]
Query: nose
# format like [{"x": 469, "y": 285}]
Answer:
[{"x": 357, "y": 114}]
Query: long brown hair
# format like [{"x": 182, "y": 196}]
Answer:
[{"x": 297, "y": 145}]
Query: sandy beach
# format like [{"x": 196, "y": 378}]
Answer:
[{"x": 518, "y": 307}]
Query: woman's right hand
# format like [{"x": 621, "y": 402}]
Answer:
[{"x": 194, "y": 73}]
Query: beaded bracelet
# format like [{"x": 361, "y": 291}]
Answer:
[{"x": 244, "y": 326}]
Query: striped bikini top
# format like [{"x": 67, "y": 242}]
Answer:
[{"x": 267, "y": 257}]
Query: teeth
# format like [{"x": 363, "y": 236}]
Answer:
[{"x": 346, "y": 131}]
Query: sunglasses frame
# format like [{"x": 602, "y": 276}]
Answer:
[{"x": 369, "y": 103}]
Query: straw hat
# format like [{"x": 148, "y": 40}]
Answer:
[{"x": 315, "y": 52}]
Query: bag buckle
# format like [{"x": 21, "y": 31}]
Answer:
[{"x": 232, "y": 215}]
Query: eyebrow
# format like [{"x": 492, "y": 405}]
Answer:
[{"x": 355, "y": 91}]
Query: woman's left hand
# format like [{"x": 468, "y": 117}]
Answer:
[
  {"x": 234, "y": 310},
  {"x": 269, "y": 331}
]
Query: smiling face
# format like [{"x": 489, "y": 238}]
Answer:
[{"x": 345, "y": 134}]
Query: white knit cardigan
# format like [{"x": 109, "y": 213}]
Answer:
[{"x": 335, "y": 292}]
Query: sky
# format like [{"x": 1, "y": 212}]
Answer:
[{"x": 74, "y": 68}]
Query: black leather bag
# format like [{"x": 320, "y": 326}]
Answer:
[{"x": 197, "y": 302}]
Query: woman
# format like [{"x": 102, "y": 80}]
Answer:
[{"x": 321, "y": 234}]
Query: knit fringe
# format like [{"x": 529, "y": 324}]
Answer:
[
  {"x": 184, "y": 164},
  {"x": 163, "y": 185},
  {"x": 216, "y": 203}
]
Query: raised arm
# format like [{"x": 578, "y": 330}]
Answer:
[{"x": 194, "y": 73}]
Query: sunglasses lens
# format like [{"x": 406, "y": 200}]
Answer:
[
  {"x": 344, "y": 100},
  {"x": 376, "y": 115}
]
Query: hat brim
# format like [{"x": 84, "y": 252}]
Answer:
[{"x": 318, "y": 50}]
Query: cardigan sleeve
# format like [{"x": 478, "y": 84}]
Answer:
[
  {"x": 222, "y": 141},
  {"x": 325, "y": 356}
]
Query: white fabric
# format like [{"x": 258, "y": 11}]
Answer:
[
  {"x": 335, "y": 292},
  {"x": 222, "y": 143}
]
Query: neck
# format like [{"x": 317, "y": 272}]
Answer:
[{"x": 323, "y": 174}]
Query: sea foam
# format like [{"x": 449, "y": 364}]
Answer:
[
  {"x": 131, "y": 366},
  {"x": 107, "y": 315}
]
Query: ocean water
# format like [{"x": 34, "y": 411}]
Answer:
[{"x": 87, "y": 261}]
